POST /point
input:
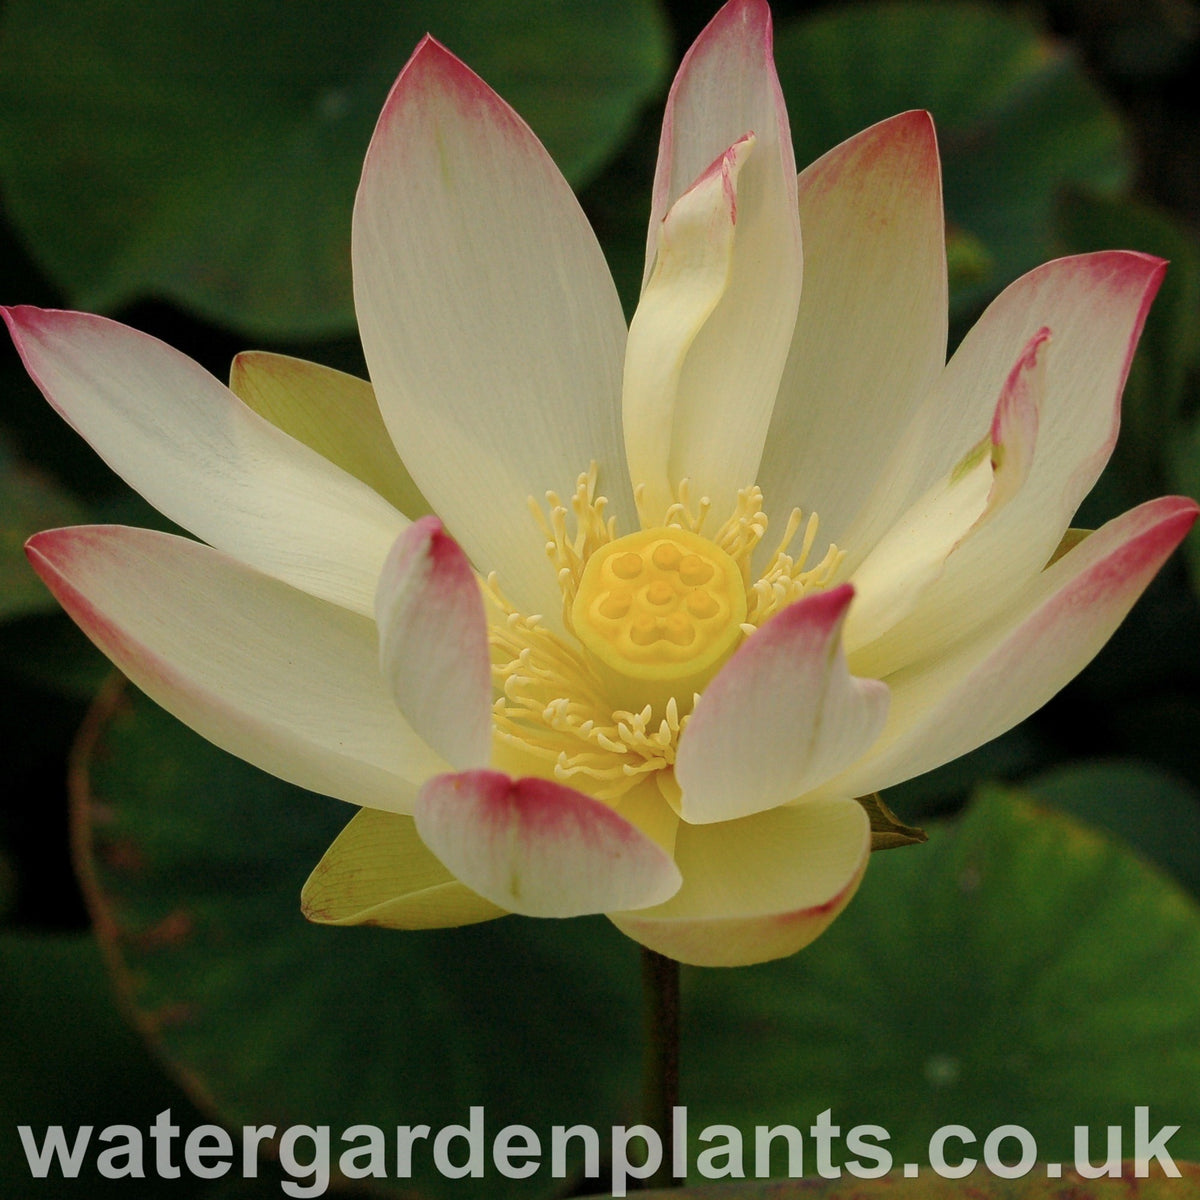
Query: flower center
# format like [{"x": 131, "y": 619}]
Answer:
[
  {"x": 658, "y": 612},
  {"x": 648, "y": 620}
]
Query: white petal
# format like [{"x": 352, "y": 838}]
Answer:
[
  {"x": 987, "y": 683},
  {"x": 870, "y": 336},
  {"x": 491, "y": 326},
  {"x": 205, "y": 460},
  {"x": 535, "y": 847},
  {"x": 287, "y": 682},
  {"x": 781, "y": 717},
  {"x": 759, "y": 888},
  {"x": 727, "y": 88},
  {"x": 433, "y": 643}
]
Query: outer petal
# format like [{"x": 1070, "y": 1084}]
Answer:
[
  {"x": 759, "y": 888},
  {"x": 870, "y": 336},
  {"x": 332, "y": 412},
  {"x": 288, "y": 682},
  {"x": 535, "y": 847},
  {"x": 1094, "y": 307},
  {"x": 727, "y": 88},
  {"x": 433, "y": 643},
  {"x": 990, "y": 682},
  {"x": 492, "y": 329},
  {"x": 783, "y": 715},
  {"x": 205, "y": 460},
  {"x": 379, "y": 872}
]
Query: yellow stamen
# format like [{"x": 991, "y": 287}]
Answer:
[{"x": 650, "y": 618}]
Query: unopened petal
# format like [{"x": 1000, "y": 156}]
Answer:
[
  {"x": 727, "y": 89},
  {"x": 536, "y": 847},
  {"x": 759, "y": 888},
  {"x": 781, "y": 717},
  {"x": 379, "y": 872},
  {"x": 205, "y": 460},
  {"x": 433, "y": 643},
  {"x": 492, "y": 329},
  {"x": 287, "y": 682},
  {"x": 691, "y": 274}
]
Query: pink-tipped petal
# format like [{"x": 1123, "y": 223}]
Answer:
[
  {"x": 204, "y": 459},
  {"x": 433, "y": 643},
  {"x": 987, "y": 684},
  {"x": 781, "y": 717},
  {"x": 490, "y": 323},
  {"x": 1095, "y": 304},
  {"x": 870, "y": 338},
  {"x": 287, "y": 682},
  {"x": 727, "y": 89},
  {"x": 535, "y": 847},
  {"x": 759, "y": 888}
]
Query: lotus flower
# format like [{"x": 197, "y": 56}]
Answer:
[{"x": 693, "y": 587}]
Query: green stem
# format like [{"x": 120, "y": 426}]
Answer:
[{"x": 660, "y": 1083}]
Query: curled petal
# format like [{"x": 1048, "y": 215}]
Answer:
[
  {"x": 759, "y": 888},
  {"x": 727, "y": 89},
  {"x": 986, "y": 684},
  {"x": 781, "y": 717},
  {"x": 1015, "y": 421},
  {"x": 912, "y": 555},
  {"x": 535, "y": 847},
  {"x": 433, "y": 644},
  {"x": 691, "y": 274},
  {"x": 1095, "y": 304}
]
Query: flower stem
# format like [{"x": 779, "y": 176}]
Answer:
[{"x": 660, "y": 1083}]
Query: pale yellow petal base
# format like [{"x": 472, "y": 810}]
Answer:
[{"x": 379, "y": 872}]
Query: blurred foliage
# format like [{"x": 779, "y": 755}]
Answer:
[
  {"x": 219, "y": 145},
  {"x": 194, "y": 863},
  {"x": 28, "y": 502},
  {"x": 199, "y": 163},
  {"x": 1017, "y": 969},
  {"x": 69, "y": 1057},
  {"x": 1017, "y": 119}
]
